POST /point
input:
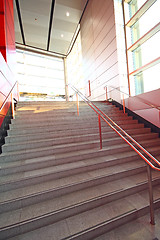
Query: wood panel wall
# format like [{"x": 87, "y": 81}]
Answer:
[{"x": 99, "y": 47}]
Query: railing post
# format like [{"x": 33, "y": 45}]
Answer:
[
  {"x": 17, "y": 91},
  {"x": 149, "y": 173},
  {"x": 123, "y": 104},
  {"x": 77, "y": 104},
  {"x": 106, "y": 94},
  {"x": 100, "y": 131}
]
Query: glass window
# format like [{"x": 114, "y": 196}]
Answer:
[
  {"x": 40, "y": 74},
  {"x": 147, "y": 51}
]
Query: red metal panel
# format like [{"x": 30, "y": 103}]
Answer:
[
  {"x": 151, "y": 115},
  {"x": 5, "y": 108},
  {"x": 6, "y": 71},
  {"x": 7, "y": 48},
  {"x": 1, "y": 5},
  {"x": 5, "y": 87},
  {"x": 2, "y": 99}
]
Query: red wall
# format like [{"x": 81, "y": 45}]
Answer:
[
  {"x": 7, "y": 55},
  {"x": 141, "y": 105}
]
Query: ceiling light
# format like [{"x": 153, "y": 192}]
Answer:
[
  {"x": 62, "y": 35},
  {"x": 67, "y": 14}
]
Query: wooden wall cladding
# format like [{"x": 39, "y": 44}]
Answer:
[{"x": 99, "y": 47}]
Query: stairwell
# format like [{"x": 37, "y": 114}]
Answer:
[{"x": 56, "y": 183}]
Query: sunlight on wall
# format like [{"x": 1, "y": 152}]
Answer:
[
  {"x": 40, "y": 74},
  {"x": 74, "y": 67}
]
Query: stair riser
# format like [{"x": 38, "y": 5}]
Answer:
[
  {"x": 65, "y": 119},
  {"x": 65, "y": 109},
  {"x": 48, "y": 219},
  {"x": 75, "y": 139},
  {"x": 57, "y": 116},
  {"x": 58, "y": 133},
  {"x": 30, "y": 137},
  {"x": 40, "y": 165},
  {"x": 54, "y": 143},
  {"x": 65, "y": 128},
  {"x": 60, "y": 140},
  {"x": 64, "y": 112},
  {"x": 58, "y": 124},
  {"x": 53, "y": 151},
  {"x": 73, "y": 157},
  {"x": 48, "y": 177},
  {"x": 47, "y": 195}
]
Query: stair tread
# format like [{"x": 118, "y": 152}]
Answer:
[
  {"x": 86, "y": 220},
  {"x": 51, "y": 158},
  {"x": 76, "y": 186},
  {"x": 65, "y": 145},
  {"x": 57, "y": 183},
  {"x": 70, "y": 166}
]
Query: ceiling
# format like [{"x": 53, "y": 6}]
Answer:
[{"x": 47, "y": 25}]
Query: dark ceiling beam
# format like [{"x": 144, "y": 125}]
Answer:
[
  {"x": 83, "y": 11},
  {"x": 38, "y": 50},
  {"x": 50, "y": 24},
  {"x": 20, "y": 21},
  {"x": 74, "y": 38}
]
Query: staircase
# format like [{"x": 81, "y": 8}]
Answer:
[{"x": 55, "y": 182}]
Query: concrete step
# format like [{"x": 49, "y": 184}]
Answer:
[
  {"x": 91, "y": 223},
  {"x": 76, "y": 155},
  {"x": 135, "y": 229},
  {"x": 67, "y": 148},
  {"x": 40, "y": 152},
  {"x": 64, "y": 119},
  {"x": 56, "y": 172},
  {"x": 92, "y": 134},
  {"x": 44, "y": 162},
  {"x": 50, "y": 127},
  {"x": 60, "y": 110},
  {"x": 14, "y": 166},
  {"x": 22, "y": 143},
  {"x": 48, "y": 134},
  {"x": 55, "y": 142},
  {"x": 83, "y": 121},
  {"x": 57, "y": 184},
  {"x": 88, "y": 112},
  {"x": 26, "y": 196}
]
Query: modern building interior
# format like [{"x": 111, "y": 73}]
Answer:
[{"x": 79, "y": 119}]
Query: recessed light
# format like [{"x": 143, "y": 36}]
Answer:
[
  {"x": 62, "y": 35},
  {"x": 67, "y": 14}
]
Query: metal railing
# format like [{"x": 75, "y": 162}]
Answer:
[
  {"x": 151, "y": 161},
  {"x": 140, "y": 99}
]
